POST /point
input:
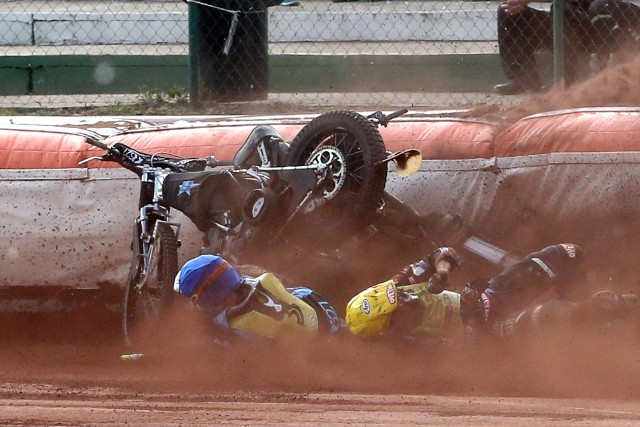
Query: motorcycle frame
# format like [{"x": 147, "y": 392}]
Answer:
[
  {"x": 151, "y": 215},
  {"x": 321, "y": 170}
]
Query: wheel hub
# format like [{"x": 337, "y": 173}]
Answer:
[{"x": 335, "y": 160}]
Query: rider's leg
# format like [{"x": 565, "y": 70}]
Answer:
[
  {"x": 553, "y": 268},
  {"x": 542, "y": 317},
  {"x": 599, "y": 309},
  {"x": 607, "y": 306}
]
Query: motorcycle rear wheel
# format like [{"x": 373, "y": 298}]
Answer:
[
  {"x": 148, "y": 300},
  {"x": 358, "y": 189}
]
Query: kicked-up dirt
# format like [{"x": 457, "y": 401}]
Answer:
[{"x": 66, "y": 370}]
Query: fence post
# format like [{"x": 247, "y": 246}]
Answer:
[
  {"x": 194, "y": 96},
  {"x": 228, "y": 50},
  {"x": 558, "y": 42}
]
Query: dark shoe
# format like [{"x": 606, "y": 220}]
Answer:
[{"x": 514, "y": 88}]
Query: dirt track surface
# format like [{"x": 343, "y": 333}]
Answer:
[
  {"x": 48, "y": 404},
  {"x": 68, "y": 372}
]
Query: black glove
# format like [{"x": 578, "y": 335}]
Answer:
[
  {"x": 470, "y": 294},
  {"x": 438, "y": 282}
]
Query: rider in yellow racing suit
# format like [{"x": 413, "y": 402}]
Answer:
[
  {"x": 253, "y": 307},
  {"x": 413, "y": 303}
]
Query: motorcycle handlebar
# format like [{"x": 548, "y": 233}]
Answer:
[
  {"x": 98, "y": 144},
  {"x": 135, "y": 159},
  {"x": 381, "y": 119},
  {"x": 398, "y": 113}
]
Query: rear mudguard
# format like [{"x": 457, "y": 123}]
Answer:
[{"x": 249, "y": 155}]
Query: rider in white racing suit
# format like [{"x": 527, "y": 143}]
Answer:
[
  {"x": 253, "y": 307},
  {"x": 413, "y": 303}
]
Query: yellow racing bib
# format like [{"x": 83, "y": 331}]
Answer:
[{"x": 441, "y": 312}]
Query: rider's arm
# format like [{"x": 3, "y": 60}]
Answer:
[
  {"x": 442, "y": 259},
  {"x": 445, "y": 261},
  {"x": 414, "y": 273}
]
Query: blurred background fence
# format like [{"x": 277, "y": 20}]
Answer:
[{"x": 316, "y": 51}]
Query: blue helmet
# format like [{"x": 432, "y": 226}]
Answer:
[{"x": 207, "y": 281}]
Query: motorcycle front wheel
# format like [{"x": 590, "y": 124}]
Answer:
[
  {"x": 353, "y": 147},
  {"x": 149, "y": 297}
]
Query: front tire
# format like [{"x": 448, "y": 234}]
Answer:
[
  {"x": 354, "y": 148},
  {"x": 148, "y": 300}
]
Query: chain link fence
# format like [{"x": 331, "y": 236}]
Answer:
[{"x": 312, "y": 51}]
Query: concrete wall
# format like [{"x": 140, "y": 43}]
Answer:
[{"x": 57, "y": 29}]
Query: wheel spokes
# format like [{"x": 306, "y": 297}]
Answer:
[{"x": 351, "y": 176}]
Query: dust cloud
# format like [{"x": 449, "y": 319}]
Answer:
[
  {"x": 82, "y": 349},
  {"x": 563, "y": 361},
  {"x": 615, "y": 86}
]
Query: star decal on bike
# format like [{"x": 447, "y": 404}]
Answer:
[{"x": 186, "y": 187}]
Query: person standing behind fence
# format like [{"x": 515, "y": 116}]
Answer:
[
  {"x": 617, "y": 25},
  {"x": 523, "y": 30}
]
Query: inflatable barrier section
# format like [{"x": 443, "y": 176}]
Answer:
[{"x": 561, "y": 176}]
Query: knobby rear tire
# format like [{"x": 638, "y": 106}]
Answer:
[{"x": 360, "y": 142}]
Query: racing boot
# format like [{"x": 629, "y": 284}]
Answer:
[{"x": 613, "y": 303}]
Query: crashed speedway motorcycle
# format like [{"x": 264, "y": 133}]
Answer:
[{"x": 320, "y": 188}]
